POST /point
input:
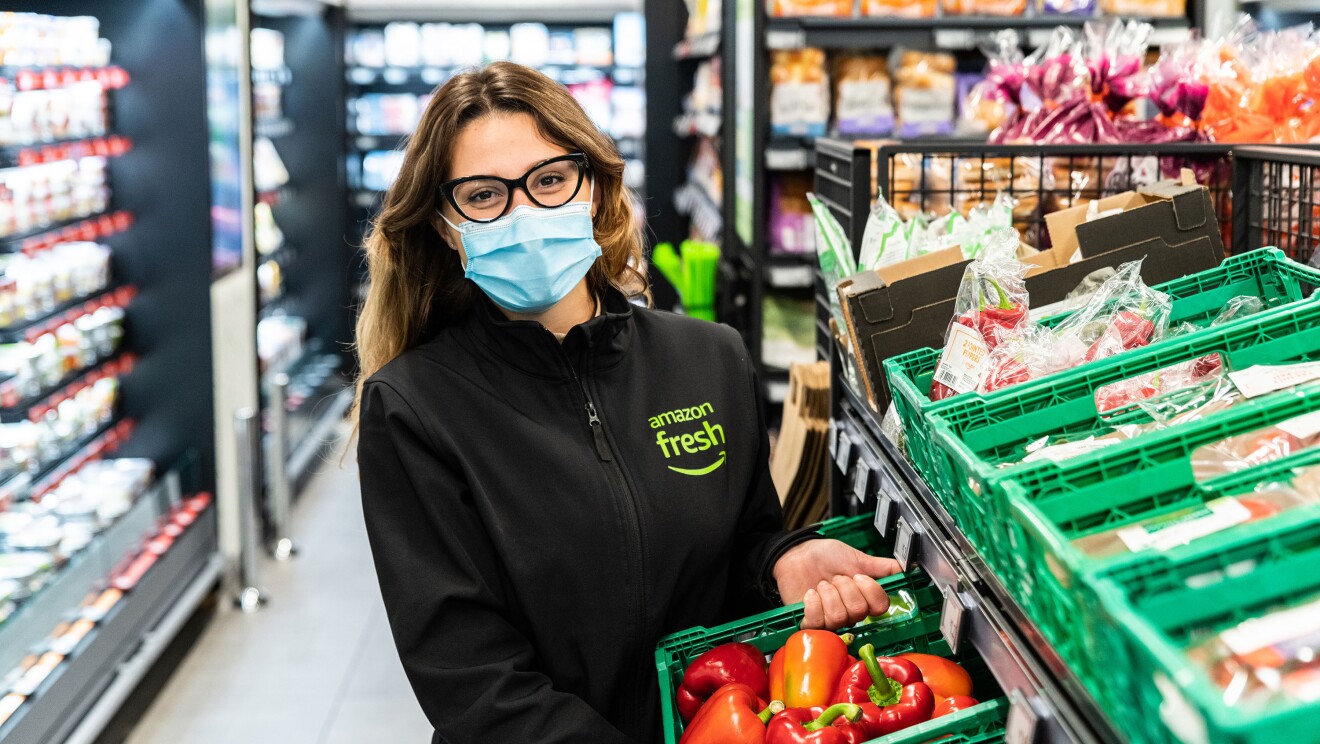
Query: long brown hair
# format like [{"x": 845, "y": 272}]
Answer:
[{"x": 417, "y": 283}]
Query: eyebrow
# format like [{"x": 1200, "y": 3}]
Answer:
[{"x": 527, "y": 170}]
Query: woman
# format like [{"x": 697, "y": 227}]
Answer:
[{"x": 552, "y": 477}]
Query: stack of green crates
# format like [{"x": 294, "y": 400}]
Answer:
[
  {"x": 1266, "y": 274},
  {"x": 1123, "y": 622}
]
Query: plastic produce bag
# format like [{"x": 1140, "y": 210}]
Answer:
[
  {"x": 886, "y": 239},
  {"x": 1123, "y": 314},
  {"x": 991, "y": 308},
  {"x": 834, "y": 253},
  {"x": 1187, "y": 524},
  {"x": 1254, "y": 448},
  {"x": 1268, "y": 659}
]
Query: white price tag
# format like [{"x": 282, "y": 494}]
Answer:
[
  {"x": 954, "y": 38},
  {"x": 860, "y": 481},
  {"x": 903, "y": 544},
  {"x": 951, "y": 617},
  {"x": 791, "y": 276},
  {"x": 883, "y": 511},
  {"x": 964, "y": 355},
  {"x": 1022, "y": 723},
  {"x": 785, "y": 38},
  {"x": 1302, "y": 427},
  {"x": 844, "y": 458},
  {"x": 1261, "y": 379},
  {"x": 834, "y": 437}
]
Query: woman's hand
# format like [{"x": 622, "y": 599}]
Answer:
[{"x": 834, "y": 581}]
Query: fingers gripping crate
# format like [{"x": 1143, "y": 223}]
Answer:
[
  {"x": 1276, "y": 195},
  {"x": 1265, "y": 274},
  {"x": 1058, "y": 574},
  {"x": 770, "y": 631},
  {"x": 1151, "y": 613},
  {"x": 980, "y": 441}
]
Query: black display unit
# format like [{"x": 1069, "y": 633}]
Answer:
[
  {"x": 315, "y": 258},
  {"x": 165, "y": 412}
]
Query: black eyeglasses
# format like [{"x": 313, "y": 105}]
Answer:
[{"x": 549, "y": 184}]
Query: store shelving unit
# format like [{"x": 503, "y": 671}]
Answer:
[
  {"x": 309, "y": 385},
  {"x": 369, "y": 147},
  {"x": 158, "y": 229},
  {"x": 762, "y": 155}
]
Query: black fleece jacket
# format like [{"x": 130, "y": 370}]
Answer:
[{"x": 541, "y": 514}]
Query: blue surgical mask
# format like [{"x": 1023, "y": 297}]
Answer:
[{"x": 531, "y": 258}]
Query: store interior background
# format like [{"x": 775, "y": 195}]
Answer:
[{"x": 235, "y": 217}]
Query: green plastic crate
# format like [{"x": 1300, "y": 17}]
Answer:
[
  {"x": 1267, "y": 274},
  {"x": 978, "y": 439},
  {"x": 1055, "y": 578},
  {"x": 981, "y": 724},
  {"x": 769, "y": 631},
  {"x": 1149, "y": 610}
]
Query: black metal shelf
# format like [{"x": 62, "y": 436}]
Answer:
[
  {"x": 19, "y": 331},
  {"x": 1053, "y": 705},
  {"x": 22, "y": 408},
  {"x": 705, "y": 46},
  {"x": 951, "y": 33},
  {"x": 429, "y": 77}
]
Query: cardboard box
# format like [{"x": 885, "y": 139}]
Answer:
[{"x": 1170, "y": 226}]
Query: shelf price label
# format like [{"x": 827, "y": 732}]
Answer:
[
  {"x": 833, "y": 437},
  {"x": 903, "y": 544},
  {"x": 844, "y": 456},
  {"x": 955, "y": 38},
  {"x": 861, "y": 480},
  {"x": 884, "y": 511},
  {"x": 785, "y": 38},
  {"x": 1023, "y": 721},
  {"x": 951, "y": 617}
]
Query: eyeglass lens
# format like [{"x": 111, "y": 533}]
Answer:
[{"x": 551, "y": 185}]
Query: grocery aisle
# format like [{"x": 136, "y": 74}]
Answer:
[{"x": 316, "y": 665}]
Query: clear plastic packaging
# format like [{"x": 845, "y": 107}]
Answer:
[
  {"x": 1185, "y": 525},
  {"x": 1256, "y": 447},
  {"x": 991, "y": 308},
  {"x": 1268, "y": 659}
]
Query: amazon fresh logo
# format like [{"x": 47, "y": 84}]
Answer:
[{"x": 685, "y": 443}]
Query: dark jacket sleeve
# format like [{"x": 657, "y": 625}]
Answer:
[
  {"x": 761, "y": 539},
  {"x": 472, "y": 670}
]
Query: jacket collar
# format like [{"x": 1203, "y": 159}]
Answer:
[{"x": 598, "y": 344}]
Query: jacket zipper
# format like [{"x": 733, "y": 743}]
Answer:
[{"x": 603, "y": 452}]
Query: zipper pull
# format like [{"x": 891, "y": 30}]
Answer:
[{"x": 598, "y": 433}]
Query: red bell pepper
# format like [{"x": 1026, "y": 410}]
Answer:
[
  {"x": 944, "y": 677},
  {"x": 994, "y": 323},
  {"x": 815, "y": 726},
  {"x": 805, "y": 671},
  {"x": 890, "y": 690},
  {"x": 953, "y": 704},
  {"x": 731, "y": 662},
  {"x": 1004, "y": 371},
  {"x": 733, "y": 715},
  {"x": 1127, "y": 330}
]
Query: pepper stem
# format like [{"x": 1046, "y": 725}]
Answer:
[
  {"x": 847, "y": 638},
  {"x": 833, "y": 713},
  {"x": 1004, "y": 302},
  {"x": 775, "y": 708},
  {"x": 883, "y": 690}
]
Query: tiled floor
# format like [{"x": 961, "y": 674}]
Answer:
[{"x": 316, "y": 665}]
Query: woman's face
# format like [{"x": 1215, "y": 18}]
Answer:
[{"x": 500, "y": 144}]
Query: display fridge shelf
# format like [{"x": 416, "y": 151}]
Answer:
[
  {"x": 1050, "y": 704},
  {"x": 951, "y": 33}
]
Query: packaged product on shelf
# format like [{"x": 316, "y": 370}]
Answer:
[
  {"x": 889, "y": 239},
  {"x": 267, "y": 101},
  {"x": 984, "y": 7},
  {"x": 595, "y": 46},
  {"x": 65, "y": 41},
  {"x": 403, "y": 44},
  {"x": 496, "y": 45},
  {"x": 990, "y": 309},
  {"x": 791, "y": 227},
  {"x": 1067, "y": 7},
  {"x": 986, "y": 102},
  {"x": 786, "y": 8},
  {"x": 529, "y": 43},
  {"x": 924, "y": 91},
  {"x": 34, "y": 196},
  {"x": 367, "y": 48},
  {"x": 268, "y": 171},
  {"x": 1144, "y": 8},
  {"x": 862, "y": 95},
  {"x": 436, "y": 50},
  {"x": 268, "y": 48},
  {"x": 900, "y": 8},
  {"x": 799, "y": 93},
  {"x": 1254, "y": 448},
  {"x": 1268, "y": 659},
  {"x": 1185, "y": 525},
  {"x": 629, "y": 39},
  {"x": 68, "y": 112}
]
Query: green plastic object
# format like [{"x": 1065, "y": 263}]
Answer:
[
  {"x": 1150, "y": 612},
  {"x": 978, "y": 439},
  {"x": 1055, "y": 579},
  {"x": 769, "y": 631},
  {"x": 977, "y": 725},
  {"x": 692, "y": 270},
  {"x": 1267, "y": 274}
]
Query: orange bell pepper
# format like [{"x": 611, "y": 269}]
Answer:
[{"x": 804, "y": 672}]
